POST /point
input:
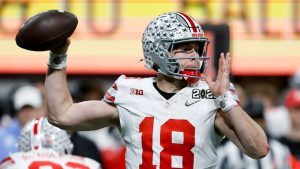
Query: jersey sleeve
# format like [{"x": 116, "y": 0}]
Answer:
[
  {"x": 7, "y": 163},
  {"x": 111, "y": 94}
]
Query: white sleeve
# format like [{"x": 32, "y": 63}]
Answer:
[
  {"x": 7, "y": 163},
  {"x": 111, "y": 94}
]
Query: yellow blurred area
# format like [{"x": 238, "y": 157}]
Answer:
[
  {"x": 136, "y": 8},
  {"x": 102, "y": 8}
]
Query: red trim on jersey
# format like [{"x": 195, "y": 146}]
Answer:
[
  {"x": 77, "y": 165},
  {"x": 115, "y": 86},
  {"x": 6, "y": 160},
  {"x": 190, "y": 21},
  {"x": 109, "y": 97},
  {"x": 35, "y": 131}
]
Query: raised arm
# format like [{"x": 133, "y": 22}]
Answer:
[
  {"x": 62, "y": 111},
  {"x": 232, "y": 120}
]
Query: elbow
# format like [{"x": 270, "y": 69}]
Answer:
[
  {"x": 53, "y": 120},
  {"x": 261, "y": 152},
  {"x": 264, "y": 150},
  {"x": 56, "y": 121},
  {"x": 58, "y": 117}
]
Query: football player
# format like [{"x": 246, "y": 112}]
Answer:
[
  {"x": 42, "y": 145},
  {"x": 174, "y": 120}
]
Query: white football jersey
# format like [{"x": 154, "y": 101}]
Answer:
[
  {"x": 47, "y": 159},
  {"x": 160, "y": 133}
]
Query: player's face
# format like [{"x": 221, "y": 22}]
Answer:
[
  {"x": 185, "y": 53},
  {"x": 26, "y": 114}
]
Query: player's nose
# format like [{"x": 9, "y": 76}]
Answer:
[{"x": 194, "y": 63}]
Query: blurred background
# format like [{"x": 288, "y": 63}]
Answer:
[{"x": 263, "y": 37}]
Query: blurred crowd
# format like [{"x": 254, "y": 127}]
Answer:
[
  {"x": 277, "y": 112},
  {"x": 26, "y": 101}
]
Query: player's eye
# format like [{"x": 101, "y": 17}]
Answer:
[{"x": 187, "y": 50}]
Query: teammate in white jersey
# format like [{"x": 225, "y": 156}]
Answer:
[
  {"x": 42, "y": 145},
  {"x": 174, "y": 120}
]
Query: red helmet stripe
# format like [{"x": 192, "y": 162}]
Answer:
[
  {"x": 190, "y": 21},
  {"x": 35, "y": 131}
]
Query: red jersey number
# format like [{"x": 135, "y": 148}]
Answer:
[
  {"x": 170, "y": 149},
  {"x": 53, "y": 165},
  {"x": 39, "y": 164}
]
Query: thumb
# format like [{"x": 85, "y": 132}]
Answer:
[{"x": 63, "y": 48}]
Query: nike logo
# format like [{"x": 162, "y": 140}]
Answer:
[{"x": 189, "y": 103}]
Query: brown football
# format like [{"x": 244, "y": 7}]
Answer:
[{"x": 46, "y": 30}]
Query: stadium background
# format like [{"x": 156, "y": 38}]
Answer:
[
  {"x": 110, "y": 32},
  {"x": 263, "y": 37}
]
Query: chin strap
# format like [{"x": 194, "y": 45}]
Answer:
[{"x": 191, "y": 80}]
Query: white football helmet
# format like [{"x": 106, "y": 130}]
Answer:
[
  {"x": 162, "y": 34},
  {"x": 39, "y": 134}
]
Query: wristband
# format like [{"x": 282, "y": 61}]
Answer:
[
  {"x": 226, "y": 101},
  {"x": 57, "y": 61}
]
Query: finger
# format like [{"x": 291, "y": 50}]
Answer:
[
  {"x": 62, "y": 49},
  {"x": 228, "y": 64},
  {"x": 227, "y": 59},
  {"x": 221, "y": 66},
  {"x": 223, "y": 62},
  {"x": 68, "y": 42}
]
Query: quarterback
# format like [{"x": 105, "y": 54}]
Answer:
[
  {"x": 42, "y": 145},
  {"x": 173, "y": 120}
]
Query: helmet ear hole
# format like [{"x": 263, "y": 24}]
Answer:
[{"x": 155, "y": 67}]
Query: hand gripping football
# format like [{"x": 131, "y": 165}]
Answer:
[{"x": 46, "y": 30}]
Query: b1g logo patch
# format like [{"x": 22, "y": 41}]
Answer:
[
  {"x": 134, "y": 91},
  {"x": 202, "y": 94}
]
